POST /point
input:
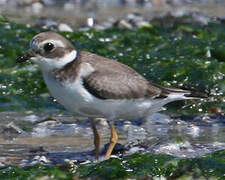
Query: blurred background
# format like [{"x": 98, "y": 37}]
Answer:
[{"x": 105, "y": 13}]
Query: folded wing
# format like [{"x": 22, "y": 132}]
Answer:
[{"x": 106, "y": 85}]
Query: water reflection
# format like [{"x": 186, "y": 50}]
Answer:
[{"x": 60, "y": 137}]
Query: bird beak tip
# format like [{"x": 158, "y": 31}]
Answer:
[{"x": 24, "y": 57}]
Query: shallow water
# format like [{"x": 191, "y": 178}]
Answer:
[
  {"x": 40, "y": 131},
  {"x": 59, "y": 138}
]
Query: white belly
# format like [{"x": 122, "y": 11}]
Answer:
[
  {"x": 76, "y": 99},
  {"x": 70, "y": 95}
]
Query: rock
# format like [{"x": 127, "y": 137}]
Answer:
[
  {"x": 37, "y": 8},
  {"x": 11, "y": 131},
  {"x": 69, "y": 6},
  {"x": 45, "y": 128},
  {"x": 64, "y": 28},
  {"x": 32, "y": 118},
  {"x": 90, "y": 22},
  {"x": 40, "y": 159},
  {"x": 123, "y": 24},
  {"x": 46, "y": 23}
]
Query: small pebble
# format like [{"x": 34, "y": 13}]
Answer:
[
  {"x": 64, "y": 28},
  {"x": 37, "y": 8},
  {"x": 40, "y": 159}
]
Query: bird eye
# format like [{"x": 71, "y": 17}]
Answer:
[{"x": 48, "y": 47}]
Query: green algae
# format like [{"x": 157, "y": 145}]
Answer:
[
  {"x": 182, "y": 55},
  {"x": 136, "y": 166},
  {"x": 140, "y": 166},
  {"x": 35, "y": 172},
  {"x": 185, "y": 56}
]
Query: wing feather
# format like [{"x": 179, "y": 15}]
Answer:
[{"x": 105, "y": 85}]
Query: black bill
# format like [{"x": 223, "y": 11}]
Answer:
[{"x": 25, "y": 57}]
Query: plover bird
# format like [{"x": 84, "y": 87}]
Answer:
[{"x": 92, "y": 86}]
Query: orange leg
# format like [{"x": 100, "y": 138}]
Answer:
[
  {"x": 113, "y": 141},
  {"x": 96, "y": 139}
]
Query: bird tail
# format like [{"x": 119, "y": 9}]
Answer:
[
  {"x": 196, "y": 94},
  {"x": 188, "y": 94}
]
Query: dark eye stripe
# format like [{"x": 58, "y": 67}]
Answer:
[{"x": 56, "y": 53}]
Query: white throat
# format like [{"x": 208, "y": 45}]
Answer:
[{"x": 49, "y": 64}]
